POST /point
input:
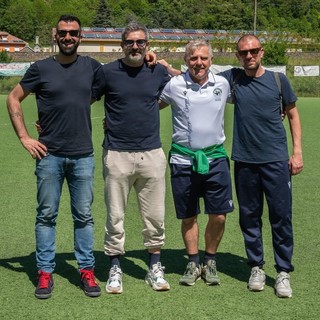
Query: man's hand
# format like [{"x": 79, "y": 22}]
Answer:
[
  {"x": 34, "y": 147},
  {"x": 172, "y": 71},
  {"x": 151, "y": 58},
  {"x": 296, "y": 164}
]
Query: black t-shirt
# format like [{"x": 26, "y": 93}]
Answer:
[
  {"x": 63, "y": 93},
  {"x": 131, "y": 106}
]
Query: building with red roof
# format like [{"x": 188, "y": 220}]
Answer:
[{"x": 11, "y": 43}]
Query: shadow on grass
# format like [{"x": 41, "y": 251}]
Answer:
[
  {"x": 27, "y": 264},
  {"x": 175, "y": 261}
]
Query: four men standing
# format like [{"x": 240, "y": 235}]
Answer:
[{"x": 67, "y": 83}]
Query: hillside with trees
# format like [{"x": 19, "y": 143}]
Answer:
[{"x": 29, "y": 18}]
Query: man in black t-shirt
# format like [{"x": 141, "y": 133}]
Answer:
[
  {"x": 133, "y": 156},
  {"x": 63, "y": 87}
]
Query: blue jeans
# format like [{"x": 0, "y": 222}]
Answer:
[{"x": 51, "y": 171}]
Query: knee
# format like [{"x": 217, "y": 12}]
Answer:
[
  {"x": 189, "y": 222},
  {"x": 219, "y": 219},
  {"x": 82, "y": 219},
  {"x": 46, "y": 217}
]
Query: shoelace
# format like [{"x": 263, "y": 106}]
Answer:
[
  {"x": 115, "y": 274},
  {"x": 256, "y": 274},
  {"x": 158, "y": 271},
  {"x": 191, "y": 270},
  {"x": 89, "y": 276},
  {"x": 284, "y": 280},
  {"x": 212, "y": 268},
  {"x": 44, "y": 279}
]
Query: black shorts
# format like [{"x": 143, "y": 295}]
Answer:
[{"x": 214, "y": 187}]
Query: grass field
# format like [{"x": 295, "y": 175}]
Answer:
[{"x": 230, "y": 300}]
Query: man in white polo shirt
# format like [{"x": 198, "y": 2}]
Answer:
[{"x": 198, "y": 161}]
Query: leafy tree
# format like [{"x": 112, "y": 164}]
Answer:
[
  {"x": 3, "y": 6},
  {"x": 27, "y": 18},
  {"x": 103, "y": 15},
  {"x": 43, "y": 26},
  {"x": 122, "y": 13},
  {"x": 83, "y": 9},
  {"x": 159, "y": 14},
  {"x": 223, "y": 10},
  {"x": 141, "y": 8},
  {"x": 4, "y": 57},
  {"x": 20, "y": 19},
  {"x": 275, "y": 53}
]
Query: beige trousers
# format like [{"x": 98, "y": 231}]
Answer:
[{"x": 145, "y": 171}]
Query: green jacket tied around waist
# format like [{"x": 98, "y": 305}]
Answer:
[{"x": 200, "y": 157}]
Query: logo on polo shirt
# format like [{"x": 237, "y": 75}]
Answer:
[{"x": 217, "y": 92}]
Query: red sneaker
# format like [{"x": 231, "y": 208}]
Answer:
[
  {"x": 45, "y": 285},
  {"x": 89, "y": 284}
]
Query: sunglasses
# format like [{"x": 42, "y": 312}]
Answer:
[
  {"x": 253, "y": 52},
  {"x": 140, "y": 43},
  {"x": 72, "y": 33}
]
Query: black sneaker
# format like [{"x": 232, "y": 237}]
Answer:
[
  {"x": 89, "y": 284},
  {"x": 45, "y": 285}
]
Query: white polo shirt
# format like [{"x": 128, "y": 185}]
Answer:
[{"x": 197, "y": 112}]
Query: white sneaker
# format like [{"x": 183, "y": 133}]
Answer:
[
  {"x": 114, "y": 283},
  {"x": 282, "y": 285},
  {"x": 155, "y": 278},
  {"x": 257, "y": 279}
]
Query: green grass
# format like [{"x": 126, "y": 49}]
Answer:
[{"x": 230, "y": 300}]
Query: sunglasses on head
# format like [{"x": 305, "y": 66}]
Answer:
[
  {"x": 253, "y": 52},
  {"x": 72, "y": 33},
  {"x": 140, "y": 43}
]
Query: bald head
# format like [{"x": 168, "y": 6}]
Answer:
[{"x": 248, "y": 38}]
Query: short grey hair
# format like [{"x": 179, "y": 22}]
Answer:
[
  {"x": 132, "y": 27},
  {"x": 196, "y": 44}
]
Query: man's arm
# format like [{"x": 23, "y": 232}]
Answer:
[
  {"x": 162, "y": 104},
  {"x": 296, "y": 161},
  {"x": 172, "y": 71},
  {"x": 14, "y": 99}
]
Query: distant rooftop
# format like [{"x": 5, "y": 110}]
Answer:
[{"x": 172, "y": 34}]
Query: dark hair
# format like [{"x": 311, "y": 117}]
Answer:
[
  {"x": 69, "y": 18},
  {"x": 132, "y": 27}
]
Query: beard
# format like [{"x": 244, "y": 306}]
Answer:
[
  {"x": 252, "y": 65},
  {"x": 68, "y": 51},
  {"x": 135, "y": 57}
]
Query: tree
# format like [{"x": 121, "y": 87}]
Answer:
[
  {"x": 4, "y": 57},
  {"x": 3, "y": 6},
  {"x": 103, "y": 15},
  {"x": 43, "y": 22},
  {"x": 83, "y": 9},
  {"x": 27, "y": 18},
  {"x": 275, "y": 53},
  {"x": 20, "y": 19}
]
